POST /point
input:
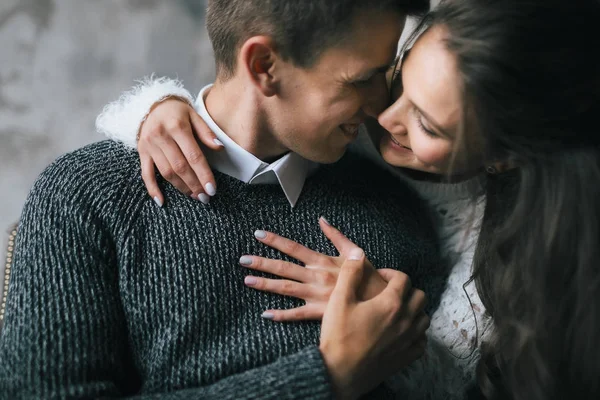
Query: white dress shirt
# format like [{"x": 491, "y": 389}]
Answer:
[{"x": 290, "y": 171}]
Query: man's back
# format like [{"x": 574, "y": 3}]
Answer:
[{"x": 114, "y": 296}]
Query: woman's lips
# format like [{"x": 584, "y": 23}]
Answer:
[{"x": 394, "y": 141}]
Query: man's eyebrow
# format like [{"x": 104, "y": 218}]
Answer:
[
  {"x": 372, "y": 72},
  {"x": 382, "y": 69}
]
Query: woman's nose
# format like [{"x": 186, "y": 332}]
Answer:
[{"x": 392, "y": 119}]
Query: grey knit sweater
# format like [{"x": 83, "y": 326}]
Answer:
[{"x": 111, "y": 296}]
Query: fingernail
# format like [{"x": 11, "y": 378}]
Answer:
[
  {"x": 204, "y": 198},
  {"x": 250, "y": 281},
  {"x": 158, "y": 202},
  {"x": 210, "y": 189},
  {"x": 355, "y": 254},
  {"x": 268, "y": 315},
  {"x": 245, "y": 260},
  {"x": 218, "y": 142},
  {"x": 325, "y": 220},
  {"x": 260, "y": 234}
]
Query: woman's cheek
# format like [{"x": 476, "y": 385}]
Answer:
[{"x": 431, "y": 151}]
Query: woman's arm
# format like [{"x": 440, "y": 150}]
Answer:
[
  {"x": 157, "y": 118},
  {"x": 120, "y": 120}
]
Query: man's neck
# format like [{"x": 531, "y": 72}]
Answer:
[{"x": 238, "y": 112}]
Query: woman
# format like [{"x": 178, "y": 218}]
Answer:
[{"x": 511, "y": 88}]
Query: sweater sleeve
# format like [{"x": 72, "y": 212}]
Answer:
[
  {"x": 121, "y": 120},
  {"x": 65, "y": 332}
]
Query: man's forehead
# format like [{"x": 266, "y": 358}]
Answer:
[{"x": 373, "y": 40}]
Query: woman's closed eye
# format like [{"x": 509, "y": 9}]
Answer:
[{"x": 423, "y": 126}]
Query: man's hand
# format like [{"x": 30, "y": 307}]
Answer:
[{"x": 365, "y": 342}]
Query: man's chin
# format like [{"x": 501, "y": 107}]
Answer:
[{"x": 326, "y": 158}]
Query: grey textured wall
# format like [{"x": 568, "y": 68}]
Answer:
[{"x": 62, "y": 60}]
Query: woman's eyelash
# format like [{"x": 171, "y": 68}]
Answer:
[{"x": 422, "y": 127}]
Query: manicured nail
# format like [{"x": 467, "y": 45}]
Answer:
[
  {"x": 218, "y": 142},
  {"x": 157, "y": 201},
  {"x": 245, "y": 260},
  {"x": 250, "y": 281},
  {"x": 268, "y": 315},
  {"x": 355, "y": 254},
  {"x": 326, "y": 222},
  {"x": 204, "y": 198},
  {"x": 260, "y": 234},
  {"x": 210, "y": 189}
]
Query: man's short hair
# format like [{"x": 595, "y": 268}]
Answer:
[{"x": 301, "y": 29}]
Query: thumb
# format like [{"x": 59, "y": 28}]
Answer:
[
  {"x": 350, "y": 276},
  {"x": 341, "y": 242},
  {"x": 203, "y": 132},
  {"x": 387, "y": 273}
]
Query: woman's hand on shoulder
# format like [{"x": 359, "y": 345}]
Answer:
[{"x": 168, "y": 140}]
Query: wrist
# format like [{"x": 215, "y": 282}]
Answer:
[
  {"x": 159, "y": 102},
  {"x": 339, "y": 373}
]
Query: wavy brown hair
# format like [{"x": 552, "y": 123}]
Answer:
[{"x": 530, "y": 72}]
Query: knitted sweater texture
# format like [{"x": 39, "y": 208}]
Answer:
[{"x": 112, "y": 296}]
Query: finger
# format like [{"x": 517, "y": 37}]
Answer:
[
  {"x": 282, "y": 269},
  {"x": 291, "y": 248},
  {"x": 204, "y": 133},
  {"x": 164, "y": 167},
  {"x": 180, "y": 164},
  {"x": 416, "y": 333},
  {"x": 194, "y": 155},
  {"x": 308, "y": 312},
  {"x": 149, "y": 178},
  {"x": 283, "y": 287},
  {"x": 350, "y": 277},
  {"x": 399, "y": 284},
  {"x": 387, "y": 273},
  {"x": 417, "y": 301},
  {"x": 339, "y": 240}
]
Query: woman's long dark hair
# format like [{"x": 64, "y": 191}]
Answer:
[{"x": 530, "y": 74}]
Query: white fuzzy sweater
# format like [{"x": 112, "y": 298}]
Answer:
[{"x": 459, "y": 323}]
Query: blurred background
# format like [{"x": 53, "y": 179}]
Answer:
[{"x": 61, "y": 61}]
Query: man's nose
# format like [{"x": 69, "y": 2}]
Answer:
[{"x": 375, "y": 98}]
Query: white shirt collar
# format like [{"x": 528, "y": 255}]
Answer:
[{"x": 290, "y": 171}]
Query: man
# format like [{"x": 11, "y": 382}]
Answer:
[{"x": 112, "y": 296}]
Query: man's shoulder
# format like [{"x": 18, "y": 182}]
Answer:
[
  {"x": 98, "y": 170},
  {"x": 355, "y": 169},
  {"x": 97, "y": 161},
  {"x": 106, "y": 154}
]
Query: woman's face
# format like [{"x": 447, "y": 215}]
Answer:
[{"x": 424, "y": 118}]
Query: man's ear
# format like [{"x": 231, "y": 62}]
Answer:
[{"x": 258, "y": 58}]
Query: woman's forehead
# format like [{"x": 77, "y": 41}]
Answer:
[{"x": 431, "y": 79}]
